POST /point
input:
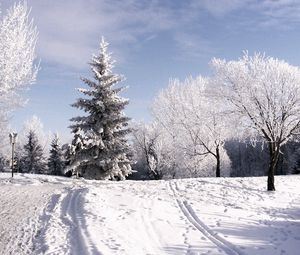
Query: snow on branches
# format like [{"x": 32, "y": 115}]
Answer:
[
  {"x": 265, "y": 94},
  {"x": 18, "y": 38},
  {"x": 100, "y": 148},
  {"x": 192, "y": 118}
]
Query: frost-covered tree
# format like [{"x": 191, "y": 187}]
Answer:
[
  {"x": 33, "y": 160},
  {"x": 148, "y": 147},
  {"x": 36, "y": 124},
  {"x": 265, "y": 95},
  {"x": 18, "y": 38},
  {"x": 56, "y": 160},
  {"x": 100, "y": 145},
  {"x": 192, "y": 116}
]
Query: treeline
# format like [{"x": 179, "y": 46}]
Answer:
[
  {"x": 30, "y": 158},
  {"x": 247, "y": 160},
  {"x": 244, "y": 160}
]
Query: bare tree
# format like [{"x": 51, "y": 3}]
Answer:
[{"x": 265, "y": 95}]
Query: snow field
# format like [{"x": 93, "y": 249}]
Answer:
[
  {"x": 241, "y": 211},
  {"x": 55, "y": 215},
  {"x": 142, "y": 219}
]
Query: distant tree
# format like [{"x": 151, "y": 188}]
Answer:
[
  {"x": 33, "y": 160},
  {"x": 18, "y": 38},
  {"x": 265, "y": 95},
  {"x": 68, "y": 154},
  {"x": 100, "y": 145},
  {"x": 247, "y": 160},
  {"x": 193, "y": 117},
  {"x": 36, "y": 124},
  {"x": 55, "y": 160},
  {"x": 296, "y": 169},
  {"x": 289, "y": 158},
  {"x": 3, "y": 163},
  {"x": 147, "y": 144}
]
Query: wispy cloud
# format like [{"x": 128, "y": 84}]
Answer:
[
  {"x": 280, "y": 13},
  {"x": 220, "y": 8},
  {"x": 255, "y": 14},
  {"x": 71, "y": 29},
  {"x": 193, "y": 45}
]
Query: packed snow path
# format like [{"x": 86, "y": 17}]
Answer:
[{"x": 54, "y": 215}]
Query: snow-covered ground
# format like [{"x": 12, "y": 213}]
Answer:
[{"x": 56, "y": 215}]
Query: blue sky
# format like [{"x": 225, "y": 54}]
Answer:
[{"x": 152, "y": 41}]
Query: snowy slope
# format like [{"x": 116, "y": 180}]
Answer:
[{"x": 56, "y": 215}]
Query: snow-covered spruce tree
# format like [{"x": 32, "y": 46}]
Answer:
[
  {"x": 101, "y": 150},
  {"x": 33, "y": 160},
  {"x": 55, "y": 160}
]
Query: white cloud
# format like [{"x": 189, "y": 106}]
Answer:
[
  {"x": 276, "y": 14},
  {"x": 69, "y": 30}
]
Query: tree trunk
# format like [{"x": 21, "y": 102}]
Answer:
[
  {"x": 274, "y": 155},
  {"x": 218, "y": 170}
]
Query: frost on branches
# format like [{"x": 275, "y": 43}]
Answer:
[
  {"x": 99, "y": 148},
  {"x": 192, "y": 118},
  {"x": 265, "y": 95},
  {"x": 150, "y": 151},
  {"x": 18, "y": 38}
]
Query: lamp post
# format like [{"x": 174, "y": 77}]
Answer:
[{"x": 12, "y": 138}]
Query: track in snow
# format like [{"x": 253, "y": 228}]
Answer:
[
  {"x": 190, "y": 214},
  {"x": 72, "y": 215},
  {"x": 66, "y": 232}
]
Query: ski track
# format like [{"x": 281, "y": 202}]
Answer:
[
  {"x": 65, "y": 231},
  {"x": 72, "y": 215},
  {"x": 76, "y": 217},
  {"x": 39, "y": 241},
  {"x": 191, "y": 216}
]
